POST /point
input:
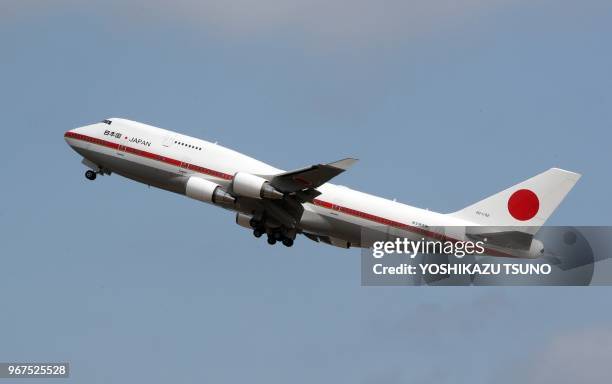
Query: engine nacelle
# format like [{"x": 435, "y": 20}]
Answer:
[
  {"x": 255, "y": 187},
  {"x": 244, "y": 220},
  {"x": 208, "y": 192},
  {"x": 536, "y": 249}
]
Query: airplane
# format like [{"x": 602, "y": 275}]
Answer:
[{"x": 282, "y": 204}]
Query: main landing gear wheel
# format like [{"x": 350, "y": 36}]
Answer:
[
  {"x": 90, "y": 175},
  {"x": 287, "y": 242},
  {"x": 271, "y": 240},
  {"x": 257, "y": 233}
]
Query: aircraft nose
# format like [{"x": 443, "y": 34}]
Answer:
[{"x": 72, "y": 135}]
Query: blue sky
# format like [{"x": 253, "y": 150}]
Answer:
[{"x": 443, "y": 104}]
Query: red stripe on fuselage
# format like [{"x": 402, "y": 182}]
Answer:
[
  {"x": 148, "y": 155},
  {"x": 321, "y": 203}
]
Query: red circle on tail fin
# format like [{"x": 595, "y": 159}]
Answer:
[{"x": 523, "y": 205}]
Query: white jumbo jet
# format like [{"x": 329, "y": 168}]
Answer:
[{"x": 282, "y": 204}]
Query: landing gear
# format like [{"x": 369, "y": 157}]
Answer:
[
  {"x": 277, "y": 236},
  {"x": 90, "y": 175},
  {"x": 274, "y": 232},
  {"x": 287, "y": 242},
  {"x": 95, "y": 170}
]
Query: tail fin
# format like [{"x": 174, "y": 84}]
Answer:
[{"x": 527, "y": 204}]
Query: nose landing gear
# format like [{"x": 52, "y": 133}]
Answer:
[{"x": 90, "y": 175}]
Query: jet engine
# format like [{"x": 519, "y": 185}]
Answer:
[
  {"x": 208, "y": 192},
  {"x": 536, "y": 249},
  {"x": 247, "y": 185},
  {"x": 244, "y": 220}
]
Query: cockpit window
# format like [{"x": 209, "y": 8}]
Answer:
[{"x": 106, "y": 121}]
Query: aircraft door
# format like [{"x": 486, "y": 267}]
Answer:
[
  {"x": 184, "y": 166},
  {"x": 120, "y": 151}
]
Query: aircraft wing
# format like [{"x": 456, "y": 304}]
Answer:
[
  {"x": 298, "y": 187},
  {"x": 310, "y": 178}
]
